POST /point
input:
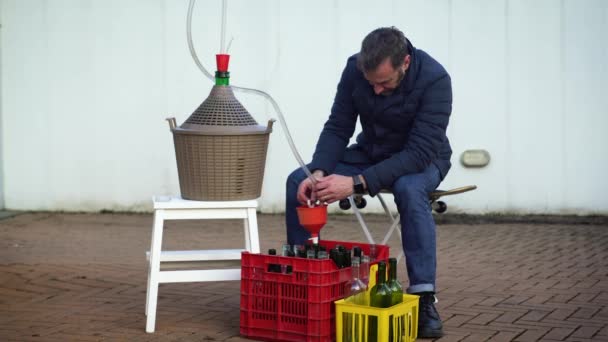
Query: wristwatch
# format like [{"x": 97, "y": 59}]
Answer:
[{"x": 358, "y": 185}]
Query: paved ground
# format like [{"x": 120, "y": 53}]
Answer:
[{"x": 82, "y": 277}]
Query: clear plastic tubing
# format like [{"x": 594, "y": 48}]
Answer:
[{"x": 242, "y": 89}]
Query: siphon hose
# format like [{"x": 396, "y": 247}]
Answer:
[{"x": 245, "y": 90}]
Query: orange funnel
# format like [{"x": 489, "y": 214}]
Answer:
[{"x": 312, "y": 219}]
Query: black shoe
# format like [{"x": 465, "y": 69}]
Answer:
[{"x": 429, "y": 323}]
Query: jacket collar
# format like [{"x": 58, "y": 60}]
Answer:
[{"x": 407, "y": 84}]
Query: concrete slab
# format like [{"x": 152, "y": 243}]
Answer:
[{"x": 82, "y": 277}]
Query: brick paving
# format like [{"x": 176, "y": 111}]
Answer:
[{"x": 82, "y": 277}]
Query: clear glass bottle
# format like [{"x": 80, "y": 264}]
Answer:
[
  {"x": 285, "y": 249},
  {"x": 299, "y": 251},
  {"x": 323, "y": 255},
  {"x": 356, "y": 294},
  {"x": 357, "y": 288},
  {"x": 310, "y": 254},
  {"x": 364, "y": 273},
  {"x": 373, "y": 252}
]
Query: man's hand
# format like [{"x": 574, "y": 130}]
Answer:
[
  {"x": 306, "y": 188},
  {"x": 334, "y": 188}
]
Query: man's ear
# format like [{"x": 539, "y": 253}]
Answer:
[{"x": 406, "y": 61}]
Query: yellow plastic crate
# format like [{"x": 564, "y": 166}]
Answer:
[{"x": 362, "y": 323}]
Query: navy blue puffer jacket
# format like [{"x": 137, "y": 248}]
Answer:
[{"x": 403, "y": 133}]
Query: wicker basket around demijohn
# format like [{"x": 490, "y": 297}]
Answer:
[{"x": 220, "y": 149}]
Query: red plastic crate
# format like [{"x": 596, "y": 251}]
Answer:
[{"x": 297, "y": 306}]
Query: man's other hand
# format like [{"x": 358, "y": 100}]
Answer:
[
  {"x": 306, "y": 188},
  {"x": 334, "y": 188}
]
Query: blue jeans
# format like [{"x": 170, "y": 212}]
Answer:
[{"x": 417, "y": 224}]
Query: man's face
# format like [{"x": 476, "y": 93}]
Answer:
[{"x": 385, "y": 79}]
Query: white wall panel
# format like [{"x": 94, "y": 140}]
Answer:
[
  {"x": 25, "y": 119},
  {"x": 479, "y": 115},
  {"x": 86, "y": 87},
  {"x": 534, "y": 76},
  {"x": 2, "y": 136},
  {"x": 428, "y": 25},
  {"x": 584, "y": 143}
]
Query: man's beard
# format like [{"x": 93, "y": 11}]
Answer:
[{"x": 390, "y": 92}]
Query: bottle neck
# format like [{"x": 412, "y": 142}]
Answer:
[
  {"x": 392, "y": 271},
  {"x": 222, "y": 81},
  {"x": 381, "y": 275},
  {"x": 222, "y": 78},
  {"x": 355, "y": 269}
]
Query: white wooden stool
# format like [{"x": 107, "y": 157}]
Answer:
[{"x": 176, "y": 208}]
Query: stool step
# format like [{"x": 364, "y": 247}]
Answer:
[
  {"x": 199, "y": 275},
  {"x": 199, "y": 255}
]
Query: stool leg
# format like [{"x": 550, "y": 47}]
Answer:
[
  {"x": 252, "y": 237},
  {"x": 385, "y": 207},
  {"x": 402, "y": 253},
  {"x": 246, "y": 231},
  {"x": 395, "y": 222},
  {"x": 148, "y": 287},
  {"x": 150, "y": 263},
  {"x": 394, "y": 225},
  {"x": 369, "y": 237},
  {"x": 153, "y": 274}
]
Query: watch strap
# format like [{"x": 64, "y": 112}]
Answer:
[{"x": 358, "y": 185}]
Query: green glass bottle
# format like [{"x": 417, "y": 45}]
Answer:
[
  {"x": 393, "y": 283},
  {"x": 396, "y": 296},
  {"x": 380, "y": 297}
]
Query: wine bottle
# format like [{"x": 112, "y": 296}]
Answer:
[
  {"x": 393, "y": 283},
  {"x": 380, "y": 297},
  {"x": 343, "y": 256},
  {"x": 396, "y": 296},
  {"x": 273, "y": 267},
  {"x": 334, "y": 255}
]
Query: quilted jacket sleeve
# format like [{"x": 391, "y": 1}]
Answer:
[{"x": 340, "y": 126}]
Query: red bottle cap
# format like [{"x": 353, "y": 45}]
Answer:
[{"x": 222, "y": 62}]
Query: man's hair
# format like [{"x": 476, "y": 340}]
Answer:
[{"x": 382, "y": 43}]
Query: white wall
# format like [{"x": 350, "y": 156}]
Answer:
[
  {"x": 1, "y": 135},
  {"x": 86, "y": 86}
]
